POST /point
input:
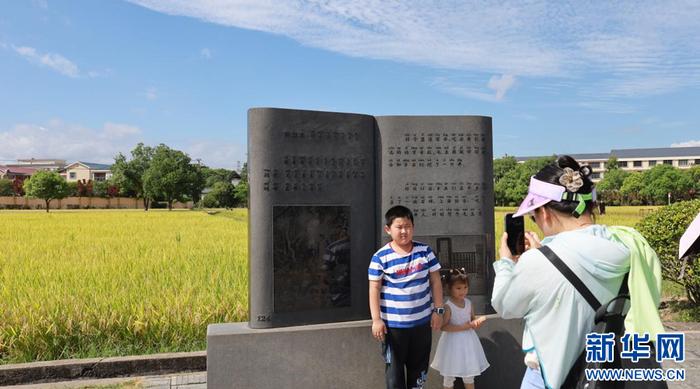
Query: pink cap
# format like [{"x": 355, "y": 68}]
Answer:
[
  {"x": 539, "y": 193},
  {"x": 690, "y": 241}
]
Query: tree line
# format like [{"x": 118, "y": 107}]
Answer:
[
  {"x": 649, "y": 187},
  {"x": 618, "y": 187},
  {"x": 154, "y": 174}
]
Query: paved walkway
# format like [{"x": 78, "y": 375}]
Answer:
[
  {"x": 692, "y": 355},
  {"x": 199, "y": 380}
]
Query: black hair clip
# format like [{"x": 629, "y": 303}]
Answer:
[{"x": 585, "y": 170}]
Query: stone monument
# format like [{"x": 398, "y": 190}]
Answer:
[{"x": 319, "y": 185}]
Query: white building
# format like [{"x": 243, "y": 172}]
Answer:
[{"x": 637, "y": 159}]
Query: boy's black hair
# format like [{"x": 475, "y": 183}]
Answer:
[
  {"x": 396, "y": 212},
  {"x": 551, "y": 174}
]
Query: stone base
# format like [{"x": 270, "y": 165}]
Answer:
[{"x": 338, "y": 355}]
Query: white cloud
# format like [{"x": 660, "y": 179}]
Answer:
[
  {"x": 216, "y": 154},
  {"x": 151, "y": 93},
  {"x": 475, "y": 89},
  {"x": 616, "y": 49},
  {"x": 53, "y": 61},
  {"x": 57, "y": 139},
  {"x": 205, "y": 53},
  {"x": 690, "y": 143},
  {"x": 72, "y": 142},
  {"x": 501, "y": 84}
]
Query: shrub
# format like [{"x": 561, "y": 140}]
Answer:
[
  {"x": 663, "y": 229},
  {"x": 209, "y": 201},
  {"x": 6, "y": 188}
]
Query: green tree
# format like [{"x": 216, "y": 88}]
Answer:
[
  {"x": 663, "y": 230},
  {"x": 212, "y": 176},
  {"x": 503, "y": 165},
  {"x": 612, "y": 164},
  {"x": 170, "y": 175},
  {"x": 6, "y": 188},
  {"x": 612, "y": 180},
  {"x": 73, "y": 189},
  {"x": 694, "y": 176},
  {"x": 46, "y": 185},
  {"x": 609, "y": 187},
  {"x": 242, "y": 190},
  {"x": 631, "y": 189},
  {"x": 511, "y": 188},
  {"x": 662, "y": 180},
  {"x": 198, "y": 183},
  {"x": 128, "y": 175},
  {"x": 223, "y": 194},
  {"x": 102, "y": 188}
]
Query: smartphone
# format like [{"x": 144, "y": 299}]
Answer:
[{"x": 515, "y": 227}]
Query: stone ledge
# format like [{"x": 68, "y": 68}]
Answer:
[{"x": 73, "y": 369}]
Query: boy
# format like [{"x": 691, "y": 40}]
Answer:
[{"x": 402, "y": 276}]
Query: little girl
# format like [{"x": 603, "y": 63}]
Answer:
[{"x": 459, "y": 352}]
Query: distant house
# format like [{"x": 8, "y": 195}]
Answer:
[
  {"x": 39, "y": 164},
  {"x": 235, "y": 178},
  {"x": 79, "y": 170},
  {"x": 11, "y": 172}
]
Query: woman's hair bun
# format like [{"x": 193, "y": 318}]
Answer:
[{"x": 585, "y": 170}]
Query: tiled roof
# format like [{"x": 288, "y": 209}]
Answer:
[
  {"x": 18, "y": 170},
  {"x": 93, "y": 166},
  {"x": 660, "y": 152},
  {"x": 664, "y": 152}
]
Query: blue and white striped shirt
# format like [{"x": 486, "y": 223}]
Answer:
[{"x": 405, "y": 299}]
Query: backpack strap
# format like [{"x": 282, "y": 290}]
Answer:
[{"x": 571, "y": 276}]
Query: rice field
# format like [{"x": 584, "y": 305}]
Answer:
[
  {"x": 78, "y": 284},
  {"x": 105, "y": 283},
  {"x": 614, "y": 216}
]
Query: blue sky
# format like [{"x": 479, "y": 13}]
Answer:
[{"x": 83, "y": 80}]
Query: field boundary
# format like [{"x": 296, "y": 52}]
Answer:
[{"x": 95, "y": 368}]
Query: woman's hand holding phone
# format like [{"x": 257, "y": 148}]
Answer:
[{"x": 532, "y": 241}]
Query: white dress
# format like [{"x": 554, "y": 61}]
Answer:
[{"x": 459, "y": 354}]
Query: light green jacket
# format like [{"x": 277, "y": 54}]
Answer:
[{"x": 557, "y": 317}]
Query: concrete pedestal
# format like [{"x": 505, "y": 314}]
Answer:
[{"x": 338, "y": 355}]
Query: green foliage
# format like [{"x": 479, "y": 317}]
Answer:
[
  {"x": 663, "y": 230},
  {"x": 128, "y": 174},
  {"x": 241, "y": 192},
  {"x": 212, "y": 176},
  {"x": 662, "y": 180},
  {"x": 609, "y": 187},
  {"x": 502, "y": 166},
  {"x": 170, "y": 176},
  {"x": 511, "y": 186},
  {"x": 612, "y": 164},
  {"x": 101, "y": 188},
  {"x": 209, "y": 201},
  {"x": 694, "y": 175},
  {"x": 223, "y": 194},
  {"x": 6, "y": 188},
  {"x": 46, "y": 185},
  {"x": 632, "y": 187},
  {"x": 612, "y": 180},
  {"x": 72, "y": 189}
]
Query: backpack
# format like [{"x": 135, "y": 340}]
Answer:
[{"x": 609, "y": 318}]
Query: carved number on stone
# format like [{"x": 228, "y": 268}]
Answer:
[{"x": 264, "y": 317}]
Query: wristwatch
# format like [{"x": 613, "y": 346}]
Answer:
[{"x": 439, "y": 310}]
